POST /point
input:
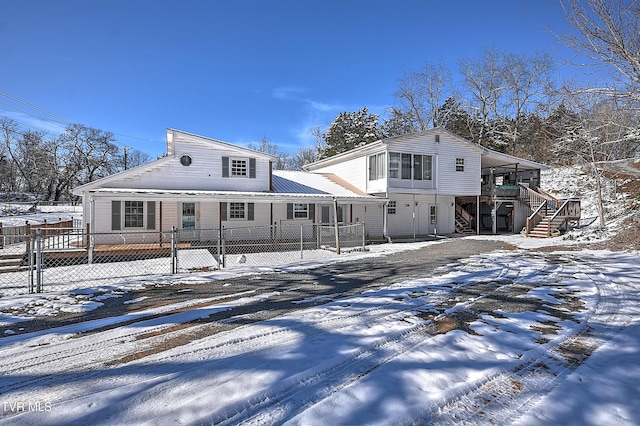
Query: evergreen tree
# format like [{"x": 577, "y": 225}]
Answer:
[{"x": 350, "y": 130}]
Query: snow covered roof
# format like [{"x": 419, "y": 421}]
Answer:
[
  {"x": 298, "y": 182},
  {"x": 235, "y": 196},
  {"x": 287, "y": 185}
]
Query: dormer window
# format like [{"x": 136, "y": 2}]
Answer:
[{"x": 238, "y": 167}]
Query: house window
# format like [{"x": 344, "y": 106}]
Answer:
[
  {"x": 236, "y": 210},
  {"x": 394, "y": 165},
  {"x": 376, "y": 166},
  {"x": 238, "y": 167},
  {"x": 459, "y": 164},
  {"x": 391, "y": 207},
  {"x": 406, "y": 166},
  {"x": 433, "y": 215},
  {"x": 134, "y": 214},
  {"x": 422, "y": 166},
  {"x": 301, "y": 211}
]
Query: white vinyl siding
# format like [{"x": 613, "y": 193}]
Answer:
[
  {"x": 204, "y": 173},
  {"x": 426, "y": 208}
]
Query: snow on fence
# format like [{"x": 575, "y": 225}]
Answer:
[{"x": 65, "y": 258}]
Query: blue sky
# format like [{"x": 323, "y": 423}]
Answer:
[{"x": 240, "y": 70}]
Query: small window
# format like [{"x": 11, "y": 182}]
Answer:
[
  {"x": 236, "y": 210},
  {"x": 238, "y": 167},
  {"x": 301, "y": 211},
  {"x": 134, "y": 214},
  {"x": 391, "y": 207},
  {"x": 459, "y": 164},
  {"x": 185, "y": 160},
  {"x": 433, "y": 215}
]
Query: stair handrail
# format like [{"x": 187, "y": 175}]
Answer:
[
  {"x": 549, "y": 197},
  {"x": 532, "y": 198},
  {"x": 531, "y": 220},
  {"x": 567, "y": 209},
  {"x": 468, "y": 217}
]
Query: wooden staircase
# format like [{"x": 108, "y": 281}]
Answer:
[
  {"x": 463, "y": 221},
  {"x": 550, "y": 216},
  {"x": 547, "y": 227},
  {"x": 10, "y": 262}
]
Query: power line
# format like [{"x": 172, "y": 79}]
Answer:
[
  {"x": 37, "y": 108},
  {"x": 57, "y": 117}
]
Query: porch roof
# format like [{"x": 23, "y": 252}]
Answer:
[
  {"x": 234, "y": 196},
  {"x": 505, "y": 163}
]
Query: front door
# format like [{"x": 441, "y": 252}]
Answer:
[
  {"x": 326, "y": 214},
  {"x": 188, "y": 222},
  {"x": 188, "y": 216}
]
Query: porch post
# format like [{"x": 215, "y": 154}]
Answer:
[
  {"x": 477, "y": 215},
  {"x": 335, "y": 224}
]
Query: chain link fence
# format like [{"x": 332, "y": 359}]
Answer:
[{"x": 70, "y": 258}]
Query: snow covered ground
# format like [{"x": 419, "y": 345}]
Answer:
[{"x": 561, "y": 347}]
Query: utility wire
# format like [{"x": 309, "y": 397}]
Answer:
[
  {"x": 57, "y": 117},
  {"x": 37, "y": 108}
]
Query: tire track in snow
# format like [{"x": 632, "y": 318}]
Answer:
[
  {"x": 299, "y": 392},
  {"x": 93, "y": 350},
  {"x": 502, "y": 398},
  {"x": 78, "y": 357}
]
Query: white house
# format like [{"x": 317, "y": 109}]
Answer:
[
  {"x": 439, "y": 183},
  {"x": 427, "y": 183},
  {"x": 205, "y": 184}
]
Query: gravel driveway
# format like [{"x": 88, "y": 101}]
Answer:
[{"x": 315, "y": 286}]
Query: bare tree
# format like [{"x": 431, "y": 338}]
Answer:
[
  {"x": 484, "y": 81},
  {"x": 527, "y": 83},
  {"x": 607, "y": 33},
  {"x": 269, "y": 147},
  {"x": 305, "y": 155},
  {"x": 133, "y": 158},
  {"x": 420, "y": 95},
  {"x": 265, "y": 145}
]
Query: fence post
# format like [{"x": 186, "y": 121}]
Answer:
[
  {"x": 27, "y": 231},
  {"x": 223, "y": 248},
  {"x": 30, "y": 244},
  {"x": 301, "y": 241},
  {"x": 173, "y": 254},
  {"x": 363, "y": 241},
  {"x": 38, "y": 260},
  {"x": 1, "y": 237}
]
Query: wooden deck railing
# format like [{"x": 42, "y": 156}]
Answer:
[
  {"x": 534, "y": 199},
  {"x": 535, "y": 218}
]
